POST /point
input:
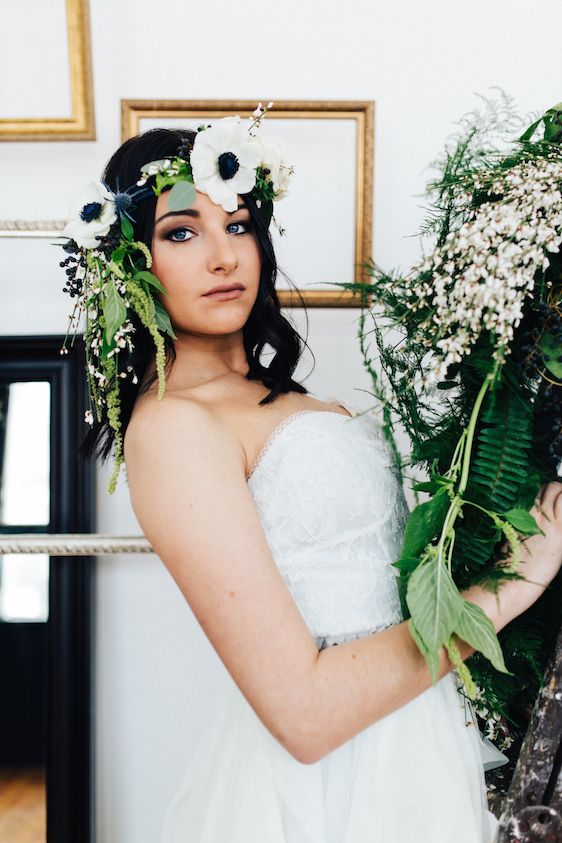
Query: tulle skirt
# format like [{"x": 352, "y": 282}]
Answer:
[{"x": 416, "y": 776}]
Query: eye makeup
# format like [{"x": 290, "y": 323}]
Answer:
[{"x": 170, "y": 234}]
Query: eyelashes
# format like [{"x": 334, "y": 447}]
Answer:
[
  {"x": 182, "y": 229},
  {"x": 174, "y": 231}
]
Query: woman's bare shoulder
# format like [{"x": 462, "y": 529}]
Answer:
[
  {"x": 176, "y": 421},
  {"x": 223, "y": 408}
]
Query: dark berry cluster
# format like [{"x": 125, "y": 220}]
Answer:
[
  {"x": 548, "y": 423},
  {"x": 109, "y": 243},
  {"x": 529, "y": 358},
  {"x": 71, "y": 265},
  {"x": 528, "y": 355},
  {"x": 184, "y": 149}
]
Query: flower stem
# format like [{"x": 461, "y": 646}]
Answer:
[
  {"x": 471, "y": 430},
  {"x": 457, "y": 457},
  {"x": 462, "y": 451}
]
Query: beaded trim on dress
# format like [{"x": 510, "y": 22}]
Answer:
[{"x": 323, "y": 641}]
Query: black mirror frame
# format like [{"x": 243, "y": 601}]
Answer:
[{"x": 70, "y": 747}]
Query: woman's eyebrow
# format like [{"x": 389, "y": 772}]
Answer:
[{"x": 191, "y": 212}]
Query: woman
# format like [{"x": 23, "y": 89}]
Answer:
[{"x": 279, "y": 515}]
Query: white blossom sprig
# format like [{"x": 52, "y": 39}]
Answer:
[{"x": 480, "y": 277}]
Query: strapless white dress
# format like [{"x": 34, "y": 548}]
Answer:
[{"x": 334, "y": 513}]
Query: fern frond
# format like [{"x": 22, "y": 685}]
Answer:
[{"x": 501, "y": 462}]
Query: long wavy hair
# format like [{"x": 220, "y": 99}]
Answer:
[{"x": 265, "y": 324}]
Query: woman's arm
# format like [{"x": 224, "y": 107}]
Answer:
[
  {"x": 187, "y": 480},
  {"x": 361, "y": 681},
  {"x": 186, "y": 472}
]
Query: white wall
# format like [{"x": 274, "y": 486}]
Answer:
[{"x": 422, "y": 64}]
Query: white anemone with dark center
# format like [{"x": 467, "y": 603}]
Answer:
[
  {"x": 91, "y": 216},
  {"x": 224, "y": 159}
]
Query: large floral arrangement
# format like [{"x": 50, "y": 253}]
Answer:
[
  {"x": 108, "y": 269},
  {"x": 469, "y": 348}
]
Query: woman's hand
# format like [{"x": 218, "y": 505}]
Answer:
[
  {"x": 541, "y": 559},
  {"x": 541, "y": 555}
]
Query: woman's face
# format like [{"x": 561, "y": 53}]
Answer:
[{"x": 198, "y": 249}]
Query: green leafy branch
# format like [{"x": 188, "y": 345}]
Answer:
[
  {"x": 124, "y": 285},
  {"x": 437, "y": 609}
]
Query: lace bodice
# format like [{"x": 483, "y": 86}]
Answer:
[{"x": 333, "y": 512}]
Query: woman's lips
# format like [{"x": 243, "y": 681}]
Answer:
[{"x": 223, "y": 295}]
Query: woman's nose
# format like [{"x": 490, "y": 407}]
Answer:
[{"x": 222, "y": 253}]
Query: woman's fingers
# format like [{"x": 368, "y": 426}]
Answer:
[
  {"x": 543, "y": 494},
  {"x": 557, "y": 505},
  {"x": 551, "y": 492},
  {"x": 540, "y": 495},
  {"x": 548, "y": 507}
]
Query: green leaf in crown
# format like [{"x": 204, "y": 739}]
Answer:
[{"x": 114, "y": 312}]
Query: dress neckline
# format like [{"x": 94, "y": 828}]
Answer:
[{"x": 284, "y": 423}]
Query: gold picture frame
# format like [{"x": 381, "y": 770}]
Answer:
[
  {"x": 81, "y": 123},
  {"x": 361, "y": 112}
]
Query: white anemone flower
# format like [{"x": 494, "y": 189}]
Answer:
[
  {"x": 91, "y": 216},
  {"x": 223, "y": 160}
]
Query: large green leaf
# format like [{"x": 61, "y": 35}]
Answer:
[
  {"x": 126, "y": 227},
  {"x": 150, "y": 278},
  {"x": 475, "y": 627},
  {"x": 163, "y": 319},
  {"x": 434, "y": 602},
  {"x": 114, "y": 311},
  {"x": 432, "y": 658},
  {"x": 523, "y": 521},
  {"x": 182, "y": 196},
  {"x": 424, "y": 523}
]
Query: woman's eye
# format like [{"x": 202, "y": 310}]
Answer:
[
  {"x": 247, "y": 225},
  {"x": 180, "y": 232}
]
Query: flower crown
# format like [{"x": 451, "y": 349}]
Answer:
[{"x": 108, "y": 271}]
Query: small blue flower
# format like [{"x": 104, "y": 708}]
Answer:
[
  {"x": 123, "y": 202},
  {"x": 127, "y": 199}
]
